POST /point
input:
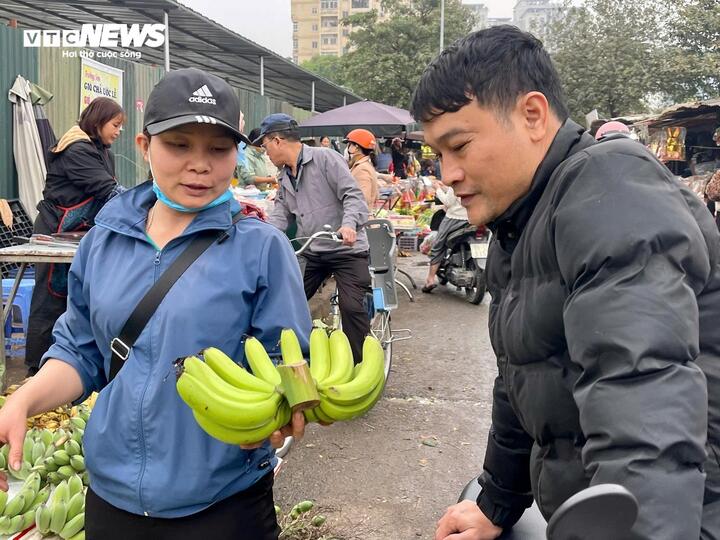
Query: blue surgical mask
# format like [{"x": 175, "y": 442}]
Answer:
[{"x": 225, "y": 197}]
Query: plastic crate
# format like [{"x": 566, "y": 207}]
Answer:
[
  {"x": 408, "y": 242},
  {"x": 22, "y": 226}
]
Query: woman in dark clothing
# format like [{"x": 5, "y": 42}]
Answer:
[{"x": 80, "y": 179}]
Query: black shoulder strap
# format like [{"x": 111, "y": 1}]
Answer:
[{"x": 121, "y": 345}]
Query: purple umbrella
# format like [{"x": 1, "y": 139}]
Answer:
[{"x": 382, "y": 120}]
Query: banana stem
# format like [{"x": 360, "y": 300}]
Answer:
[{"x": 299, "y": 386}]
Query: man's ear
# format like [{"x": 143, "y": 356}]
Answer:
[
  {"x": 534, "y": 111},
  {"x": 143, "y": 144}
]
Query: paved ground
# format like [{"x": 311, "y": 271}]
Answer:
[{"x": 391, "y": 474}]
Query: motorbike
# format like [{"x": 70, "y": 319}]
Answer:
[
  {"x": 599, "y": 512},
  {"x": 464, "y": 262}
]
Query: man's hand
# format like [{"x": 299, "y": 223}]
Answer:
[
  {"x": 349, "y": 235},
  {"x": 296, "y": 429},
  {"x": 468, "y": 520},
  {"x": 13, "y": 425}
]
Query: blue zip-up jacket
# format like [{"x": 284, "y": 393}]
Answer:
[{"x": 144, "y": 451}]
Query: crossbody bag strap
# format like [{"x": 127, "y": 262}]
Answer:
[{"x": 136, "y": 323}]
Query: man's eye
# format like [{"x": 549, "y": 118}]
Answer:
[
  {"x": 222, "y": 149},
  {"x": 177, "y": 145},
  {"x": 459, "y": 147}
]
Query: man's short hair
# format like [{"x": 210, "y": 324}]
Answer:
[
  {"x": 292, "y": 135},
  {"x": 495, "y": 66}
]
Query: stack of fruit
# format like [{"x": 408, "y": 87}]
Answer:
[
  {"x": 64, "y": 513},
  {"x": 240, "y": 407},
  {"x": 18, "y": 513}
]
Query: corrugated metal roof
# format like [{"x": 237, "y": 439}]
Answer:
[{"x": 195, "y": 41}]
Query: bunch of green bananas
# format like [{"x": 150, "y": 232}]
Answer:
[
  {"x": 346, "y": 391},
  {"x": 18, "y": 513},
  {"x": 64, "y": 513},
  {"x": 230, "y": 403}
]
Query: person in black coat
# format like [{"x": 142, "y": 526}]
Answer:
[
  {"x": 80, "y": 179},
  {"x": 604, "y": 272}
]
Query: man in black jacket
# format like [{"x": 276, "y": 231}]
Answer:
[{"x": 605, "y": 278}]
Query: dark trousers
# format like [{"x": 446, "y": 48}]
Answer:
[
  {"x": 45, "y": 310},
  {"x": 353, "y": 281},
  {"x": 248, "y": 515}
]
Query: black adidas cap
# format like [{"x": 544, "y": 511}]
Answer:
[{"x": 192, "y": 96}]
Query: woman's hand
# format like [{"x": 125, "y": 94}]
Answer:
[
  {"x": 13, "y": 425},
  {"x": 295, "y": 429}
]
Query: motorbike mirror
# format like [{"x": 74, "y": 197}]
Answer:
[{"x": 596, "y": 513}]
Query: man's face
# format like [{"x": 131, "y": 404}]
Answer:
[
  {"x": 489, "y": 161},
  {"x": 272, "y": 144}
]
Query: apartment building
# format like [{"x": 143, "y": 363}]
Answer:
[
  {"x": 317, "y": 29},
  {"x": 535, "y": 15}
]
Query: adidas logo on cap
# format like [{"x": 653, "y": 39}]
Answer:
[{"x": 203, "y": 95}]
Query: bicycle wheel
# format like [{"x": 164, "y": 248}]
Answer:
[{"x": 380, "y": 329}]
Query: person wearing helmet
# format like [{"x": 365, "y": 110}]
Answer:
[
  {"x": 612, "y": 128},
  {"x": 361, "y": 158}
]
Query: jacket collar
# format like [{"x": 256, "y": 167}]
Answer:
[
  {"x": 126, "y": 213},
  {"x": 570, "y": 139}
]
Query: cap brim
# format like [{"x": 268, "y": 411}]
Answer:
[{"x": 160, "y": 127}]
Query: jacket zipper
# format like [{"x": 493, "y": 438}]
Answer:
[{"x": 141, "y": 434}]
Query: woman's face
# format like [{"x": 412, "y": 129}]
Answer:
[
  {"x": 325, "y": 141},
  {"x": 111, "y": 130},
  {"x": 192, "y": 164}
]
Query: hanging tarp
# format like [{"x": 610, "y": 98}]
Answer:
[{"x": 27, "y": 147}]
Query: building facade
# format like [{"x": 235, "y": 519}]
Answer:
[
  {"x": 317, "y": 28},
  {"x": 535, "y": 15}
]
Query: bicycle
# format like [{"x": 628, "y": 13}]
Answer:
[{"x": 382, "y": 301}]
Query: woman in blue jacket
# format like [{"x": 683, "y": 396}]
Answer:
[{"x": 154, "y": 473}]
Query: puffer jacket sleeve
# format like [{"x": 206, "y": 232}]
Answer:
[
  {"x": 74, "y": 341},
  {"x": 280, "y": 299},
  {"x": 505, "y": 479},
  {"x": 85, "y": 168},
  {"x": 633, "y": 260}
]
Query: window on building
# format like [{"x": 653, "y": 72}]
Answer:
[
  {"x": 345, "y": 14},
  {"x": 360, "y": 4},
  {"x": 314, "y": 44},
  {"x": 329, "y": 40},
  {"x": 314, "y": 10},
  {"x": 295, "y": 44},
  {"x": 329, "y": 22},
  {"x": 315, "y": 27},
  {"x": 328, "y": 4},
  {"x": 295, "y": 27},
  {"x": 346, "y": 32}
]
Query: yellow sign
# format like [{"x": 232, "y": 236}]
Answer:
[{"x": 99, "y": 80}]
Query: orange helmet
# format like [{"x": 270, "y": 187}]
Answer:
[{"x": 362, "y": 137}]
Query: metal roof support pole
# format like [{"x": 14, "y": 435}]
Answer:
[
  {"x": 312, "y": 98},
  {"x": 344, "y": 100},
  {"x": 167, "y": 42},
  {"x": 262, "y": 75}
]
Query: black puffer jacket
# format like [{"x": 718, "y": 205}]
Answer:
[{"x": 605, "y": 281}]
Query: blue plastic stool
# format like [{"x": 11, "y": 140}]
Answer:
[{"x": 21, "y": 301}]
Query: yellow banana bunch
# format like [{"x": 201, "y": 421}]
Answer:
[
  {"x": 230, "y": 403},
  {"x": 346, "y": 391}
]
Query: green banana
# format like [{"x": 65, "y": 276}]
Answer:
[
  {"x": 23, "y": 473},
  {"x": 72, "y": 448},
  {"x": 192, "y": 365},
  {"x": 77, "y": 463},
  {"x": 61, "y": 493},
  {"x": 65, "y": 472},
  {"x": 33, "y": 481},
  {"x": 3, "y": 500},
  {"x": 5, "y": 525},
  {"x": 46, "y": 437},
  {"x": 27, "y": 519},
  {"x": 246, "y": 436},
  {"x": 5, "y": 451},
  {"x": 15, "y": 525},
  {"x": 322, "y": 417},
  {"x": 234, "y": 374},
  {"x": 42, "y": 519},
  {"x": 369, "y": 373},
  {"x": 38, "y": 451},
  {"x": 73, "y": 526},
  {"x": 226, "y": 412},
  {"x": 260, "y": 362},
  {"x": 49, "y": 464},
  {"x": 310, "y": 415},
  {"x": 78, "y": 536},
  {"x": 348, "y": 412},
  {"x": 61, "y": 457},
  {"x": 75, "y": 485},
  {"x": 54, "y": 478},
  {"x": 15, "y": 506},
  {"x": 28, "y": 447},
  {"x": 77, "y": 436},
  {"x": 78, "y": 422},
  {"x": 3, "y": 462},
  {"x": 29, "y": 496},
  {"x": 58, "y": 511},
  {"x": 341, "y": 359},
  {"x": 41, "y": 498},
  {"x": 85, "y": 477},
  {"x": 75, "y": 505},
  {"x": 319, "y": 355},
  {"x": 290, "y": 347}
]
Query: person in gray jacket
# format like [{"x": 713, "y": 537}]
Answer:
[
  {"x": 317, "y": 189},
  {"x": 605, "y": 280}
]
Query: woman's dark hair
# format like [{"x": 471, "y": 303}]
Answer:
[
  {"x": 100, "y": 111},
  {"x": 366, "y": 152},
  {"x": 494, "y": 66},
  {"x": 254, "y": 134}
]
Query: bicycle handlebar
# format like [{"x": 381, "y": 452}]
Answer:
[{"x": 333, "y": 236}]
